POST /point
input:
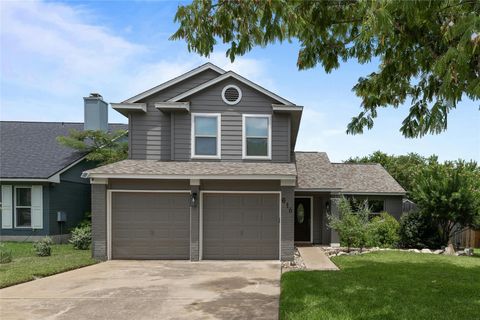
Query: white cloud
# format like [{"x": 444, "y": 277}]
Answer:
[{"x": 54, "y": 54}]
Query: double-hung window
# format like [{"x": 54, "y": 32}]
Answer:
[
  {"x": 23, "y": 207},
  {"x": 257, "y": 137},
  {"x": 206, "y": 136}
]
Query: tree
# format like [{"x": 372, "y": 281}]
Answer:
[
  {"x": 429, "y": 51},
  {"x": 351, "y": 225},
  {"x": 99, "y": 146},
  {"x": 449, "y": 196}
]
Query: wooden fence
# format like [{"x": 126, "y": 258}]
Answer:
[{"x": 467, "y": 238}]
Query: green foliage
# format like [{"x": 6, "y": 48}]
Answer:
[
  {"x": 418, "y": 231},
  {"x": 87, "y": 220},
  {"x": 43, "y": 247},
  {"x": 5, "y": 254},
  {"x": 382, "y": 231},
  {"x": 81, "y": 237},
  {"x": 102, "y": 147},
  {"x": 449, "y": 195},
  {"x": 429, "y": 51},
  {"x": 351, "y": 226}
]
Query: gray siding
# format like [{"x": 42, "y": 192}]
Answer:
[
  {"x": 163, "y": 136},
  {"x": 150, "y": 132},
  {"x": 253, "y": 102},
  {"x": 99, "y": 221}
]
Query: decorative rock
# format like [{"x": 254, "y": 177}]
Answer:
[
  {"x": 426, "y": 251},
  {"x": 449, "y": 250},
  {"x": 439, "y": 251},
  {"x": 468, "y": 251}
]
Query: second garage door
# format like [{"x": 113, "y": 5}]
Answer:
[
  {"x": 240, "y": 226},
  {"x": 150, "y": 225}
]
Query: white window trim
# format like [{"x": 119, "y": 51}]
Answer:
[
  {"x": 21, "y": 207},
  {"x": 239, "y": 94},
  {"x": 244, "y": 137},
  {"x": 219, "y": 135}
]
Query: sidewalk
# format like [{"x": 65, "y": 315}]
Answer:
[{"x": 315, "y": 259}]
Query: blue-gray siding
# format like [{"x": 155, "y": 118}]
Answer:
[{"x": 163, "y": 136}]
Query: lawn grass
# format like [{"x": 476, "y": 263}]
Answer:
[
  {"x": 27, "y": 266},
  {"x": 385, "y": 285}
]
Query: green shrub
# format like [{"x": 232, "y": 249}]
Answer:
[
  {"x": 382, "y": 231},
  {"x": 418, "y": 231},
  {"x": 351, "y": 226},
  {"x": 5, "y": 254},
  {"x": 43, "y": 247},
  {"x": 81, "y": 237}
]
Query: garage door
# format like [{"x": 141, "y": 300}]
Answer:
[
  {"x": 150, "y": 225},
  {"x": 240, "y": 226}
]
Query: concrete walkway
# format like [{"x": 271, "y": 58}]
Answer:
[{"x": 316, "y": 259}]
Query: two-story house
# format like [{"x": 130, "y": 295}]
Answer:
[{"x": 212, "y": 174}]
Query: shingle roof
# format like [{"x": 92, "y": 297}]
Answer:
[
  {"x": 30, "y": 149},
  {"x": 194, "y": 168},
  {"x": 316, "y": 172}
]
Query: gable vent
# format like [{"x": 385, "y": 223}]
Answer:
[{"x": 231, "y": 94}]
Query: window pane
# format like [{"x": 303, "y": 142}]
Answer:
[
  {"x": 24, "y": 217},
  {"x": 257, "y": 147},
  {"x": 256, "y": 127},
  {"x": 206, "y": 126},
  {"x": 205, "y": 146},
  {"x": 376, "y": 206},
  {"x": 24, "y": 197}
]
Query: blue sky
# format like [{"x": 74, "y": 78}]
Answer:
[{"x": 54, "y": 53}]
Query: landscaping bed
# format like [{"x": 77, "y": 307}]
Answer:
[
  {"x": 26, "y": 265},
  {"x": 385, "y": 285}
]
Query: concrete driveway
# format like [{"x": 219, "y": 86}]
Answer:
[{"x": 150, "y": 290}]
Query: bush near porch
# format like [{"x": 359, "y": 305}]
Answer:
[
  {"x": 26, "y": 265},
  {"x": 385, "y": 285}
]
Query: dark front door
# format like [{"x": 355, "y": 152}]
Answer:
[{"x": 302, "y": 219}]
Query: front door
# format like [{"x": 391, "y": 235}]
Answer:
[{"x": 302, "y": 219}]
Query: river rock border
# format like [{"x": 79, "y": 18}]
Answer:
[{"x": 340, "y": 251}]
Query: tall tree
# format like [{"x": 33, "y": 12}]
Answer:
[
  {"x": 99, "y": 146},
  {"x": 429, "y": 51}
]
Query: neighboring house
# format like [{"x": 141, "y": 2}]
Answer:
[
  {"x": 40, "y": 178},
  {"x": 212, "y": 174}
]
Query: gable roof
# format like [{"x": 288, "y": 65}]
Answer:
[
  {"x": 230, "y": 74},
  {"x": 29, "y": 150},
  {"x": 316, "y": 172},
  {"x": 174, "y": 81}
]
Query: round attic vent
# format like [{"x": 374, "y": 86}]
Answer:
[{"x": 231, "y": 94}]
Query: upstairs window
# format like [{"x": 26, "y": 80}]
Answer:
[
  {"x": 206, "y": 136},
  {"x": 257, "y": 136}
]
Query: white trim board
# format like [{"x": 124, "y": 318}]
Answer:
[
  {"x": 230, "y": 74},
  {"x": 311, "y": 215},
  {"x": 109, "y": 211},
  {"x": 200, "y": 233},
  {"x": 173, "y": 81}
]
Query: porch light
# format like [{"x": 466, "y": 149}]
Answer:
[{"x": 193, "y": 200}]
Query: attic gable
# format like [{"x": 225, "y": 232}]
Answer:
[
  {"x": 230, "y": 75},
  {"x": 174, "y": 81}
]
